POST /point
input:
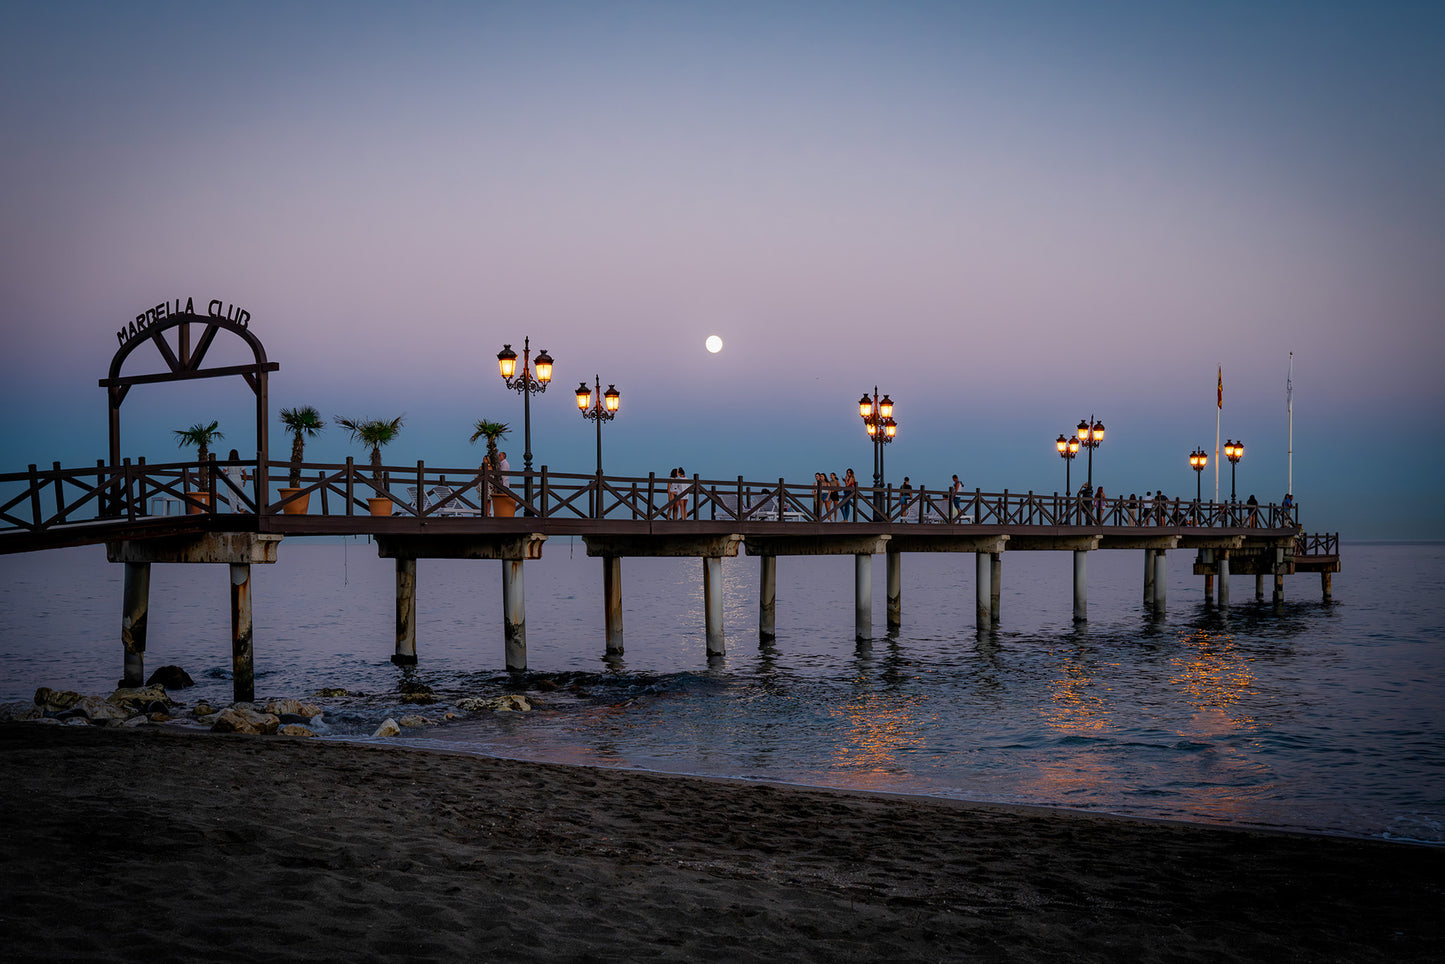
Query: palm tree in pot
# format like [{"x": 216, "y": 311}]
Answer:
[
  {"x": 201, "y": 436},
  {"x": 503, "y": 505},
  {"x": 374, "y": 432},
  {"x": 302, "y": 423}
]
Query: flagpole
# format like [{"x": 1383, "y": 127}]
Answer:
[
  {"x": 1218, "y": 410},
  {"x": 1289, "y": 410}
]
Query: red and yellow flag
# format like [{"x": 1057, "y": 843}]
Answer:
[{"x": 1220, "y": 401}]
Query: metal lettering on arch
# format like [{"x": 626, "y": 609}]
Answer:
[{"x": 183, "y": 355}]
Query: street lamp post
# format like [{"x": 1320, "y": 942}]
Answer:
[
  {"x": 877, "y": 414},
  {"x": 603, "y": 409},
  {"x": 1091, "y": 436},
  {"x": 1068, "y": 447},
  {"x": 1234, "y": 451},
  {"x": 525, "y": 383},
  {"x": 1198, "y": 459}
]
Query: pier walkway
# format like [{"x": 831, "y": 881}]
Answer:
[{"x": 187, "y": 512}]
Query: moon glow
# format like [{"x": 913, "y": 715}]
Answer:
[{"x": 713, "y": 343}]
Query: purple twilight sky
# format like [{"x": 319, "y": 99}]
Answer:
[{"x": 1007, "y": 216}]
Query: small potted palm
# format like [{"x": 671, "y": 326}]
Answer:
[
  {"x": 502, "y": 505},
  {"x": 201, "y": 436},
  {"x": 301, "y": 423},
  {"x": 375, "y": 433}
]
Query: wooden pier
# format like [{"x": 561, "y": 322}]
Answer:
[{"x": 147, "y": 514}]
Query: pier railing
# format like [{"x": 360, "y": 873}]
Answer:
[{"x": 40, "y": 500}]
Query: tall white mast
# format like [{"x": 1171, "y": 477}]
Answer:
[
  {"x": 1218, "y": 410},
  {"x": 1289, "y": 410}
]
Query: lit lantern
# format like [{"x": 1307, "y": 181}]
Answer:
[
  {"x": 890, "y": 427},
  {"x": 584, "y": 397},
  {"x": 544, "y": 367},
  {"x": 507, "y": 362},
  {"x": 865, "y": 407},
  {"x": 612, "y": 398},
  {"x": 885, "y": 407}
]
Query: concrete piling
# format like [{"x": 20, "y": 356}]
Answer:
[
  {"x": 983, "y": 591},
  {"x": 1149, "y": 577},
  {"x": 243, "y": 667},
  {"x": 863, "y": 595},
  {"x": 1081, "y": 583},
  {"x": 712, "y": 597},
  {"x": 1224, "y": 577},
  {"x": 767, "y": 597},
  {"x": 514, "y": 614},
  {"x": 405, "y": 654},
  {"x": 134, "y": 608},
  {"x": 612, "y": 603},
  {"x": 895, "y": 589},
  {"x": 1161, "y": 576},
  {"x": 995, "y": 586}
]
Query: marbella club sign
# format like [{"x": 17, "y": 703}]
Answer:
[{"x": 152, "y": 316}]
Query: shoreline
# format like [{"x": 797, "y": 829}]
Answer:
[{"x": 184, "y": 845}]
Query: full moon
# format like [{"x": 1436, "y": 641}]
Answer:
[{"x": 713, "y": 343}]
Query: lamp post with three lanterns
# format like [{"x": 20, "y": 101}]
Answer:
[
  {"x": 525, "y": 383},
  {"x": 877, "y": 414},
  {"x": 599, "y": 407}
]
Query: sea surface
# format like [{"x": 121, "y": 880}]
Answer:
[{"x": 1315, "y": 716}]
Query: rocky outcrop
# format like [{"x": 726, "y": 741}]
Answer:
[
  {"x": 171, "y": 678},
  {"x": 293, "y": 729},
  {"x": 244, "y": 718},
  {"x": 147, "y": 699},
  {"x": 293, "y": 708},
  {"x": 55, "y": 701},
  {"x": 19, "y": 712},
  {"x": 511, "y": 703},
  {"x": 388, "y": 727}
]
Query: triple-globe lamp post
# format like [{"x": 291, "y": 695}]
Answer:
[
  {"x": 877, "y": 414},
  {"x": 600, "y": 407},
  {"x": 1091, "y": 436},
  {"x": 1234, "y": 451},
  {"x": 1198, "y": 460},
  {"x": 1068, "y": 446},
  {"x": 526, "y": 384}
]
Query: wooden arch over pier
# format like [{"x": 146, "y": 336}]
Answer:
[{"x": 183, "y": 362}]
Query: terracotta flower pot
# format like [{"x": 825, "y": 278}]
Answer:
[
  {"x": 204, "y": 498},
  {"x": 504, "y": 506},
  {"x": 379, "y": 506},
  {"x": 297, "y": 507}
]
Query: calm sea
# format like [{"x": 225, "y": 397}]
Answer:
[{"x": 1324, "y": 717}]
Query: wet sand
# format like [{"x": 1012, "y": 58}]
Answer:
[{"x": 131, "y": 845}]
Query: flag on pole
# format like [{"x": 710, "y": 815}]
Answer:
[{"x": 1220, "y": 397}]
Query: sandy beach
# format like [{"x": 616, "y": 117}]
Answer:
[{"x": 163, "y": 846}]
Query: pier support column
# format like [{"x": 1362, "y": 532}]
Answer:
[
  {"x": 612, "y": 602},
  {"x": 1149, "y": 577},
  {"x": 405, "y": 654},
  {"x": 243, "y": 667},
  {"x": 767, "y": 597},
  {"x": 1081, "y": 586},
  {"x": 863, "y": 595},
  {"x": 1161, "y": 575},
  {"x": 1278, "y": 576},
  {"x": 1209, "y": 587},
  {"x": 982, "y": 591},
  {"x": 514, "y": 614},
  {"x": 1224, "y": 577},
  {"x": 1325, "y": 586},
  {"x": 712, "y": 603},
  {"x": 134, "y": 606},
  {"x": 895, "y": 589},
  {"x": 1259, "y": 587},
  {"x": 995, "y": 586}
]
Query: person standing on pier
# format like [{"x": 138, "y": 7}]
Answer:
[
  {"x": 956, "y": 497},
  {"x": 834, "y": 491},
  {"x": 850, "y": 493},
  {"x": 1100, "y": 501},
  {"x": 905, "y": 498}
]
